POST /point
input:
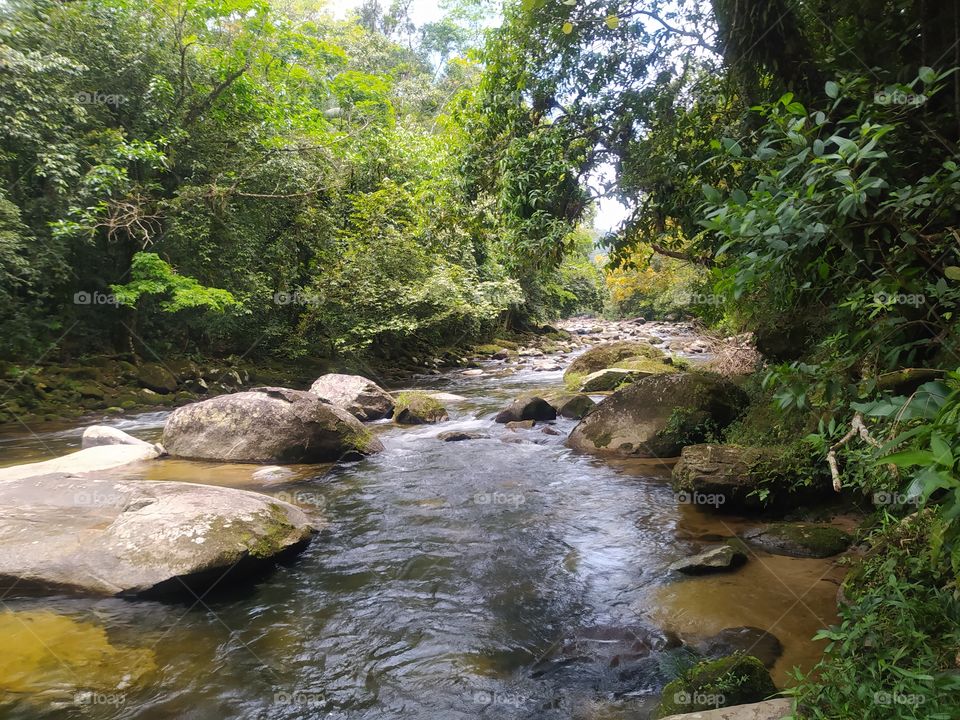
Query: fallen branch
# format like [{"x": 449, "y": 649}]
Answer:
[{"x": 856, "y": 428}]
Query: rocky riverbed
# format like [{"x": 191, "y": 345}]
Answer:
[{"x": 473, "y": 558}]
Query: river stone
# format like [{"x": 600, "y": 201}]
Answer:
[
  {"x": 716, "y": 559},
  {"x": 767, "y": 710},
  {"x": 731, "y": 680},
  {"x": 749, "y": 640},
  {"x": 527, "y": 408},
  {"x": 157, "y": 378},
  {"x": 803, "y": 540},
  {"x": 520, "y": 424},
  {"x": 271, "y": 425},
  {"x": 608, "y": 355},
  {"x": 74, "y": 534},
  {"x": 97, "y": 435},
  {"x": 459, "y": 435},
  {"x": 93, "y": 459},
  {"x": 418, "y": 408},
  {"x": 730, "y": 471},
  {"x": 658, "y": 415},
  {"x": 362, "y": 398},
  {"x": 569, "y": 404}
]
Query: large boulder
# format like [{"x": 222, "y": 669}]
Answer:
[
  {"x": 609, "y": 355},
  {"x": 269, "y": 425},
  {"x": 569, "y": 404},
  {"x": 74, "y": 534},
  {"x": 658, "y": 415},
  {"x": 711, "y": 684},
  {"x": 786, "y": 475},
  {"x": 418, "y": 408},
  {"x": 527, "y": 408},
  {"x": 362, "y": 398}
]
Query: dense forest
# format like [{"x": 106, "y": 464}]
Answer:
[{"x": 277, "y": 181}]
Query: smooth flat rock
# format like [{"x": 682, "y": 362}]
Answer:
[
  {"x": 80, "y": 535},
  {"x": 766, "y": 710},
  {"x": 93, "y": 459},
  {"x": 97, "y": 435},
  {"x": 716, "y": 559}
]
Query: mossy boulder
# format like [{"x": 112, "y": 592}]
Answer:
[
  {"x": 803, "y": 540},
  {"x": 157, "y": 378},
  {"x": 750, "y": 478},
  {"x": 610, "y": 355},
  {"x": 732, "y": 680},
  {"x": 418, "y": 408},
  {"x": 268, "y": 424},
  {"x": 658, "y": 415}
]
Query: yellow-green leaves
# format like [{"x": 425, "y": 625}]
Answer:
[
  {"x": 613, "y": 22},
  {"x": 567, "y": 28}
]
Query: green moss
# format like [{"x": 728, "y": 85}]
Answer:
[
  {"x": 812, "y": 540},
  {"x": 732, "y": 680},
  {"x": 274, "y": 537},
  {"x": 486, "y": 349},
  {"x": 414, "y": 407},
  {"x": 508, "y": 344},
  {"x": 642, "y": 364},
  {"x": 610, "y": 354}
]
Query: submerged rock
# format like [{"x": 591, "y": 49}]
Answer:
[
  {"x": 749, "y": 640},
  {"x": 718, "y": 559},
  {"x": 658, "y": 415},
  {"x": 72, "y": 534},
  {"x": 266, "y": 425},
  {"x": 93, "y": 459},
  {"x": 360, "y": 397},
  {"x": 802, "y": 540},
  {"x": 710, "y": 684},
  {"x": 459, "y": 435},
  {"x": 417, "y": 408},
  {"x": 527, "y": 408}
]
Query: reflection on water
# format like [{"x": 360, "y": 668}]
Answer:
[{"x": 505, "y": 577}]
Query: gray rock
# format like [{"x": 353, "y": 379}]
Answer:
[
  {"x": 716, "y": 559},
  {"x": 93, "y": 459},
  {"x": 64, "y": 533},
  {"x": 98, "y": 435},
  {"x": 608, "y": 379},
  {"x": 156, "y": 378},
  {"x": 805, "y": 540},
  {"x": 570, "y": 405},
  {"x": 766, "y": 710},
  {"x": 266, "y": 425},
  {"x": 658, "y": 415},
  {"x": 459, "y": 435},
  {"x": 360, "y": 397},
  {"x": 749, "y": 640},
  {"x": 527, "y": 408}
]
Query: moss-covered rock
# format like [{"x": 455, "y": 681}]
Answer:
[
  {"x": 609, "y": 355},
  {"x": 527, "y": 408},
  {"x": 570, "y": 404},
  {"x": 157, "y": 378},
  {"x": 732, "y": 680},
  {"x": 750, "y": 479},
  {"x": 799, "y": 539},
  {"x": 418, "y": 408},
  {"x": 658, "y": 415}
]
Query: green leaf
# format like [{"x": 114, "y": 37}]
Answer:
[
  {"x": 567, "y": 28},
  {"x": 831, "y": 89},
  {"x": 613, "y": 22},
  {"x": 928, "y": 75},
  {"x": 952, "y": 272}
]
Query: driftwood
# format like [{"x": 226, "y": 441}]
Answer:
[{"x": 856, "y": 428}]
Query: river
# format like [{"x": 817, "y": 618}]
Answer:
[{"x": 498, "y": 577}]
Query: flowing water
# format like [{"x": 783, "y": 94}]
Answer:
[{"x": 504, "y": 577}]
